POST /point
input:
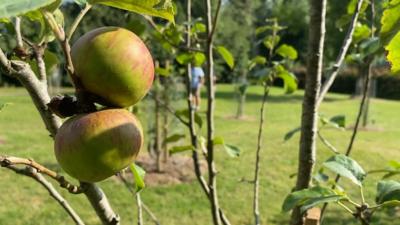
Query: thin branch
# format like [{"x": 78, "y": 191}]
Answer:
[
  {"x": 17, "y": 26},
  {"x": 215, "y": 21},
  {"x": 39, "y": 53},
  {"x": 36, "y": 89},
  {"x": 168, "y": 108},
  {"x": 140, "y": 211},
  {"x": 35, "y": 174},
  {"x": 346, "y": 208},
  {"x": 343, "y": 51},
  {"x": 181, "y": 47},
  {"x": 256, "y": 210},
  {"x": 192, "y": 129},
  {"x": 356, "y": 126},
  {"x": 6, "y": 161},
  {"x": 151, "y": 214},
  {"x": 77, "y": 20},
  {"x": 327, "y": 143},
  {"x": 133, "y": 192},
  {"x": 212, "y": 171}
]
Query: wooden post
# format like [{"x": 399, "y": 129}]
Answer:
[{"x": 313, "y": 216}]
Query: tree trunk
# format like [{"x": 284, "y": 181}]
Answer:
[{"x": 309, "y": 120}]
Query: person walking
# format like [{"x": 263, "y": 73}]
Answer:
[{"x": 197, "y": 83}]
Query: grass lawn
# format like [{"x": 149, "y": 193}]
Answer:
[{"x": 24, "y": 202}]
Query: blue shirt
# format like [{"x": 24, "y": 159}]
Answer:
[{"x": 197, "y": 74}]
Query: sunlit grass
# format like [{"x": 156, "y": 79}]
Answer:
[{"x": 22, "y": 133}]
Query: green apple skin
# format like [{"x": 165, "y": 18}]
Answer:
[
  {"x": 92, "y": 147},
  {"x": 114, "y": 64}
]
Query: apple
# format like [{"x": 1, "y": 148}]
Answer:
[
  {"x": 113, "y": 64},
  {"x": 92, "y": 147}
]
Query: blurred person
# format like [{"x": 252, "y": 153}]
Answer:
[{"x": 197, "y": 83}]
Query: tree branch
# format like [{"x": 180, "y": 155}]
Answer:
[
  {"x": 35, "y": 174},
  {"x": 256, "y": 210},
  {"x": 17, "y": 26},
  {"x": 212, "y": 171},
  {"x": 77, "y": 20},
  {"x": 36, "y": 89},
  {"x": 343, "y": 51},
  {"x": 6, "y": 161}
]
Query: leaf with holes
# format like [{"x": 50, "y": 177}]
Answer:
[
  {"x": 346, "y": 167},
  {"x": 393, "y": 56},
  {"x": 390, "y": 22}
]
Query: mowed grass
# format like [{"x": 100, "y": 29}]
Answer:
[{"x": 24, "y": 202}]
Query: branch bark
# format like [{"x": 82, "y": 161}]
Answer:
[
  {"x": 256, "y": 210},
  {"x": 212, "y": 171},
  {"x": 343, "y": 51},
  {"x": 6, "y": 161},
  {"x": 35, "y": 174},
  {"x": 309, "y": 120}
]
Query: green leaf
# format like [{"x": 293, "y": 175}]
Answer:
[
  {"x": 287, "y": 51},
  {"x": 80, "y": 2},
  {"x": 370, "y": 46},
  {"x": 309, "y": 198},
  {"x": 393, "y": 55},
  {"x": 162, "y": 71},
  {"x": 177, "y": 149},
  {"x": 199, "y": 58},
  {"x": 2, "y": 105},
  {"x": 351, "y": 7},
  {"x": 290, "y": 134},
  {"x": 232, "y": 150},
  {"x": 198, "y": 27},
  {"x": 346, "y": 167},
  {"x": 361, "y": 32},
  {"x": 138, "y": 175},
  {"x": 271, "y": 41},
  {"x": 158, "y": 8},
  {"x": 308, "y": 204},
  {"x": 391, "y": 203},
  {"x": 339, "y": 120},
  {"x": 289, "y": 81},
  {"x": 387, "y": 190},
  {"x": 10, "y": 8},
  {"x": 258, "y": 60},
  {"x": 226, "y": 55},
  {"x": 184, "y": 58},
  {"x": 390, "y": 22},
  {"x": 174, "y": 138}
]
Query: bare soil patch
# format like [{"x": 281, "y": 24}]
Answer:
[{"x": 179, "y": 169}]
